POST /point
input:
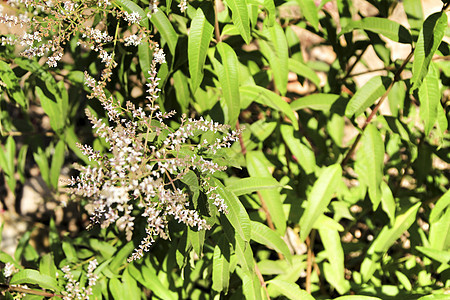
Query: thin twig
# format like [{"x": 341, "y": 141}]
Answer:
[
  {"x": 376, "y": 108},
  {"x": 261, "y": 280},
  {"x": 269, "y": 218},
  {"x": 241, "y": 139},
  {"x": 216, "y": 23},
  {"x": 350, "y": 69},
  {"x": 12, "y": 288},
  {"x": 310, "y": 259}
]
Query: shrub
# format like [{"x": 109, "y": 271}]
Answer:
[{"x": 224, "y": 157}]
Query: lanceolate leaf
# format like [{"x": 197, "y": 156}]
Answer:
[
  {"x": 369, "y": 163},
  {"x": 309, "y": 11},
  {"x": 240, "y": 17},
  {"x": 366, "y": 95},
  {"x": 319, "y": 197},
  {"x": 429, "y": 40},
  {"x": 322, "y": 102},
  {"x": 386, "y": 239},
  {"x": 12, "y": 86},
  {"x": 227, "y": 71},
  {"x": 303, "y": 70},
  {"x": 57, "y": 163},
  {"x": 441, "y": 204},
  {"x": 334, "y": 271},
  {"x": 236, "y": 212},
  {"x": 390, "y": 29},
  {"x": 198, "y": 42},
  {"x": 275, "y": 49},
  {"x": 254, "y": 93},
  {"x": 288, "y": 289},
  {"x": 439, "y": 255},
  {"x": 252, "y": 184},
  {"x": 165, "y": 28},
  {"x": 388, "y": 201},
  {"x": 430, "y": 98},
  {"x": 29, "y": 276},
  {"x": 221, "y": 266},
  {"x": 257, "y": 167},
  {"x": 265, "y": 236},
  {"x": 414, "y": 11},
  {"x": 52, "y": 109},
  {"x": 130, "y": 7},
  {"x": 302, "y": 153}
]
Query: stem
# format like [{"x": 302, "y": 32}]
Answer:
[
  {"x": 377, "y": 107},
  {"x": 261, "y": 280},
  {"x": 269, "y": 218},
  {"x": 12, "y": 288},
  {"x": 310, "y": 259},
  {"x": 350, "y": 69},
  {"x": 216, "y": 23}
]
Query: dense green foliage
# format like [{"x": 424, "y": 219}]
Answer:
[{"x": 328, "y": 192}]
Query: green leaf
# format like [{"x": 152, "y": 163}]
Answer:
[
  {"x": 197, "y": 240},
  {"x": 29, "y": 276},
  {"x": 335, "y": 255},
  {"x": 388, "y": 201},
  {"x": 266, "y": 236},
  {"x": 386, "y": 239},
  {"x": 304, "y": 71},
  {"x": 47, "y": 265},
  {"x": 357, "y": 297},
  {"x": 440, "y": 232},
  {"x": 145, "y": 57},
  {"x": 240, "y": 17},
  {"x": 227, "y": 71},
  {"x": 250, "y": 284},
  {"x": 13, "y": 89},
  {"x": 304, "y": 156},
  {"x": 147, "y": 277},
  {"x": 198, "y": 43},
  {"x": 7, "y": 156},
  {"x": 254, "y": 93},
  {"x": 117, "y": 289},
  {"x": 52, "y": 108},
  {"x": 57, "y": 163},
  {"x": 181, "y": 89},
  {"x": 130, "y": 286},
  {"x": 41, "y": 160},
  {"x": 275, "y": 49},
  {"x": 252, "y": 184},
  {"x": 439, "y": 207},
  {"x": 430, "y": 38},
  {"x": 289, "y": 289},
  {"x": 237, "y": 214},
  {"x": 438, "y": 255},
  {"x": 165, "y": 28},
  {"x": 430, "y": 98},
  {"x": 414, "y": 12},
  {"x": 120, "y": 257},
  {"x": 319, "y": 197},
  {"x": 69, "y": 251},
  {"x": 370, "y": 163},
  {"x": 390, "y": 29},
  {"x": 105, "y": 249},
  {"x": 403, "y": 279},
  {"x": 258, "y": 167},
  {"x": 366, "y": 95},
  {"x": 322, "y": 102},
  {"x": 309, "y": 11},
  {"x": 221, "y": 266},
  {"x": 21, "y": 160},
  {"x": 269, "y": 5}
]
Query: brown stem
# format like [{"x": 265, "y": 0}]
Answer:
[
  {"x": 261, "y": 280},
  {"x": 371, "y": 71},
  {"x": 310, "y": 259},
  {"x": 269, "y": 218},
  {"x": 12, "y": 288},
  {"x": 350, "y": 69},
  {"x": 216, "y": 23},
  {"x": 376, "y": 108}
]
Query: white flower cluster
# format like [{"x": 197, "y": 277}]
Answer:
[
  {"x": 141, "y": 180},
  {"x": 73, "y": 289},
  {"x": 132, "y": 18},
  {"x": 183, "y": 5},
  {"x": 133, "y": 40},
  {"x": 9, "y": 270}
]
